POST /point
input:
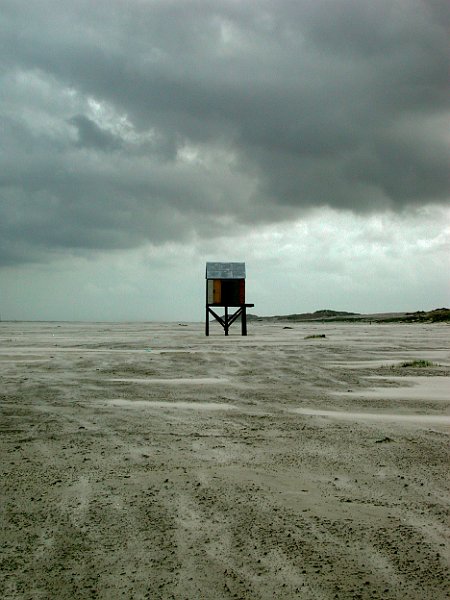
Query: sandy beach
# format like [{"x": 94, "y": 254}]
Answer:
[{"x": 147, "y": 461}]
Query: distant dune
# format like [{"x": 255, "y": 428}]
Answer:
[{"x": 431, "y": 316}]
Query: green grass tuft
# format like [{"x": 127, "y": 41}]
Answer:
[{"x": 418, "y": 364}]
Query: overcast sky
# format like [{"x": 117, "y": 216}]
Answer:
[{"x": 142, "y": 138}]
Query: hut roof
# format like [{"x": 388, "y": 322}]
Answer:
[{"x": 225, "y": 270}]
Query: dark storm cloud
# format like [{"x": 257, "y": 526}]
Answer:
[{"x": 131, "y": 121}]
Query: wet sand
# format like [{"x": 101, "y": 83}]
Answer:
[{"x": 148, "y": 461}]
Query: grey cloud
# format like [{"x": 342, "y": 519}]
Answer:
[
  {"x": 92, "y": 136},
  {"x": 290, "y": 105}
]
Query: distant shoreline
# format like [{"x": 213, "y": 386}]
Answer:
[{"x": 436, "y": 315}]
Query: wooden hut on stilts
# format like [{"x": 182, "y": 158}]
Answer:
[{"x": 225, "y": 287}]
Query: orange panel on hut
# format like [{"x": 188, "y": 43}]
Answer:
[{"x": 217, "y": 291}]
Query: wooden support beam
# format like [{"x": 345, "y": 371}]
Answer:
[
  {"x": 244, "y": 321},
  {"x": 228, "y": 319}
]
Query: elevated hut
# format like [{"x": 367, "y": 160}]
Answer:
[{"x": 225, "y": 287}]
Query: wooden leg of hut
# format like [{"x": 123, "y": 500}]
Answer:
[
  {"x": 226, "y": 320},
  {"x": 244, "y": 321},
  {"x": 207, "y": 322}
]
